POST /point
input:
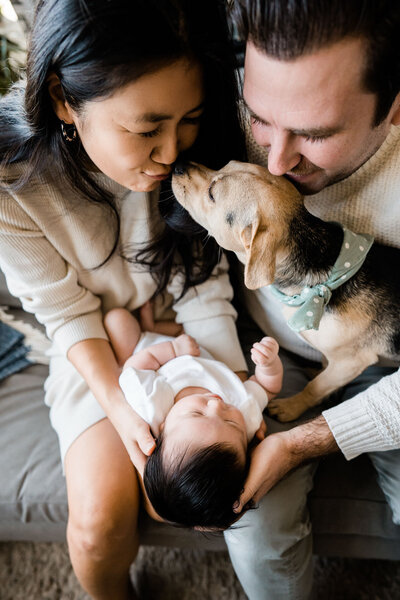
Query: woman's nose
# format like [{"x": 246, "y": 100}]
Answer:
[{"x": 167, "y": 151}]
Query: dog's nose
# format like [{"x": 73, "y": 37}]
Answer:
[{"x": 180, "y": 167}]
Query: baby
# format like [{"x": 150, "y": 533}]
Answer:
[{"x": 202, "y": 415}]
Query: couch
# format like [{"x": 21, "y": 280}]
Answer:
[{"x": 348, "y": 510}]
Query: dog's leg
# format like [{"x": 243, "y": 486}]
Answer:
[{"x": 337, "y": 374}]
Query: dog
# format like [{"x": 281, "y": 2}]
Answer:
[{"x": 262, "y": 218}]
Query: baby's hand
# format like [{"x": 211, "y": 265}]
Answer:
[
  {"x": 263, "y": 353},
  {"x": 185, "y": 344}
]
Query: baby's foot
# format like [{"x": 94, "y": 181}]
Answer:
[{"x": 185, "y": 344}]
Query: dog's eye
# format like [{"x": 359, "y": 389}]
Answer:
[{"x": 210, "y": 193}]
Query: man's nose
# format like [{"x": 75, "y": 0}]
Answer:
[{"x": 282, "y": 156}]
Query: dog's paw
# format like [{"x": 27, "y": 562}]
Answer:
[{"x": 287, "y": 409}]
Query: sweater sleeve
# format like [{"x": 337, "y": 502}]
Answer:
[
  {"x": 45, "y": 283},
  {"x": 207, "y": 314},
  {"x": 370, "y": 421}
]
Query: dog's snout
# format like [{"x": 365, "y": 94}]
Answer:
[{"x": 180, "y": 167}]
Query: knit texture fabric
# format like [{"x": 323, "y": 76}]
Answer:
[
  {"x": 367, "y": 202},
  {"x": 51, "y": 245}
]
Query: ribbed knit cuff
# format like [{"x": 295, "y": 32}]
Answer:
[
  {"x": 85, "y": 327},
  {"x": 352, "y": 428}
]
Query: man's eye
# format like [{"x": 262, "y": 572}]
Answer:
[
  {"x": 210, "y": 195},
  {"x": 315, "y": 138},
  {"x": 256, "y": 121}
]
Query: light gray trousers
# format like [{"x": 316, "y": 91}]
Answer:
[{"x": 271, "y": 546}]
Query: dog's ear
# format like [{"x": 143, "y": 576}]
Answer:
[{"x": 260, "y": 250}]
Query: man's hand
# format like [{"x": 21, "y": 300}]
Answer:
[
  {"x": 281, "y": 452},
  {"x": 270, "y": 461}
]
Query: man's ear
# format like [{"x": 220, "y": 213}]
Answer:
[
  {"x": 60, "y": 105},
  {"x": 260, "y": 249}
]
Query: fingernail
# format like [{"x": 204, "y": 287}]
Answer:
[{"x": 149, "y": 446}]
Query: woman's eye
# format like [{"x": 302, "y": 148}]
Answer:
[
  {"x": 150, "y": 134},
  {"x": 210, "y": 195},
  {"x": 192, "y": 120}
]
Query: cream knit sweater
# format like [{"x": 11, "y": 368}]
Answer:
[
  {"x": 366, "y": 202},
  {"x": 51, "y": 240}
]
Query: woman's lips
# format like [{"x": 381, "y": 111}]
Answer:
[{"x": 157, "y": 177}]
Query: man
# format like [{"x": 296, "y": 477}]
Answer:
[{"x": 322, "y": 89}]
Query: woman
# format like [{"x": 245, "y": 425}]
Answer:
[{"x": 114, "y": 92}]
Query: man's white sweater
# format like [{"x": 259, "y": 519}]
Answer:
[{"x": 366, "y": 202}]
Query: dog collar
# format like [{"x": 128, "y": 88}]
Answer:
[{"x": 312, "y": 300}]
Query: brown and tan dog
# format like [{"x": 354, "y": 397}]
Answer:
[{"x": 263, "y": 220}]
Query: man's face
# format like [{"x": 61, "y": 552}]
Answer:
[{"x": 312, "y": 114}]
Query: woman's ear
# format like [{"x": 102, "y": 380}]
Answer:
[{"x": 60, "y": 105}]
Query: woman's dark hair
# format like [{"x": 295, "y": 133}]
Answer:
[
  {"x": 95, "y": 47},
  {"x": 198, "y": 490},
  {"x": 287, "y": 29}
]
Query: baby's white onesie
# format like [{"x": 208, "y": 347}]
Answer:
[{"x": 151, "y": 393}]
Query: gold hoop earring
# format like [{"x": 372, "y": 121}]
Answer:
[{"x": 68, "y": 131}]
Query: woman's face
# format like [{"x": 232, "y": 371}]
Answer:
[{"x": 135, "y": 135}]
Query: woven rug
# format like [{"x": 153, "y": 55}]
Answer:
[{"x": 43, "y": 572}]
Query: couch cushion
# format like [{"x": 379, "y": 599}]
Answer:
[
  {"x": 6, "y": 299},
  {"x": 33, "y": 502},
  {"x": 349, "y": 513},
  {"x": 32, "y": 489}
]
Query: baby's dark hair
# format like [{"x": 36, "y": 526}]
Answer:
[{"x": 197, "y": 490}]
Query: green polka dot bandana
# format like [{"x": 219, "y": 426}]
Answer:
[{"x": 312, "y": 300}]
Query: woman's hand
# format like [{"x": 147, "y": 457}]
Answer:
[
  {"x": 134, "y": 432},
  {"x": 95, "y": 361}
]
